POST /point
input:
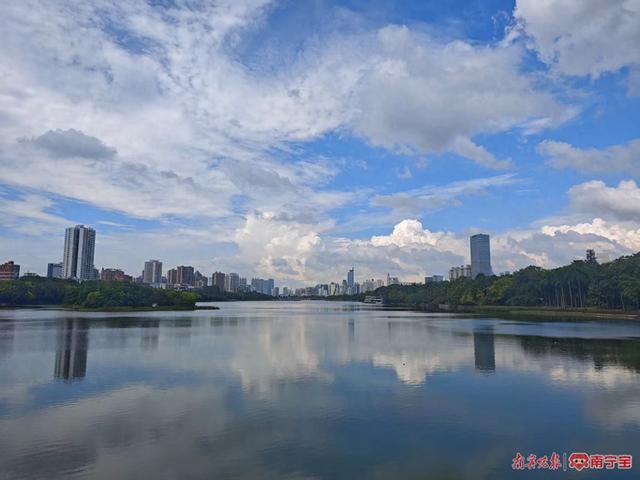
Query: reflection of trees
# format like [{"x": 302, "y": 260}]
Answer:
[
  {"x": 622, "y": 352},
  {"x": 7, "y": 334},
  {"x": 484, "y": 350},
  {"x": 71, "y": 351}
]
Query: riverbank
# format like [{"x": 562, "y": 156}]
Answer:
[
  {"x": 529, "y": 312},
  {"x": 123, "y": 309}
]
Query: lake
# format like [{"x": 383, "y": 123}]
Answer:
[{"x": 302, "y": 390}]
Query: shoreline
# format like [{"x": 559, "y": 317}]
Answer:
[
  {"x": 522, "y": 311},
  {"x": 123, "y": 309}
]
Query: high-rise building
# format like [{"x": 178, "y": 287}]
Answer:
[
  {"x": 463, "y": 271},
  {"x": 9, "y": 271},
  {"x": 185, "y": 275},
  {"x": 79, "y": 248},
  {"x": 200, "y": 280},
  {"x": 218, "y": 280},
  {"x": 232, "y": 281},
  {"x": 172, "y": 277},
  {"x": 480, "y": 255},
  {"x": 152, "y": 272},
  {"x": 350, "y": 277},
  {"x": 591, "y": 256},
  {"x": 54, "y": 270}
]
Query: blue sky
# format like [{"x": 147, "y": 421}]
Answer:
[{"x": 295, "y": 139}]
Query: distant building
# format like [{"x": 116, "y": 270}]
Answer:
[
  {"x": 480, "y": 255},
  {"x": 9, "y": 271},
  {"x": 433, "y": 279},
  {"x": 114, "y": 275},
  {"x": 152, "y": 272},
  {"x": 463, "y": 271},
  {"x": 54, "y": 270},
  {"x": 79, "y": 248},
  {"x": 185, "y": 275},
  {"x": 172, "y": 277},
  {"x": 350, "y": 277},
  {"x": 232, "y": 282},
  {"x": 392, "y": 280},
  {"x": 261, "y": 285},
  {"x": 591, "y": 256},
  {"x": 200, "y": 280},
  {"x": 218, "y": 280}
]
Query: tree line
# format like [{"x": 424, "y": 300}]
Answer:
[
  {"x": 614, "y": 285},
  {"x": 92, "y": 294}
]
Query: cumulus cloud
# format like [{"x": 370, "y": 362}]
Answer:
[
  {"x": 420, "y": 95},
  {"x": 582, "y": 38},
  {"x": 616, "y": 158},
  {"x": 596, "y": 198}
]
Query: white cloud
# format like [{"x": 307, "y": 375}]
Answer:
[
  {"x": 582, "y": 38},
  {"x": 626, "y": 235},
  {"x": 430, "y": 198},
  {"x": 596, "y": 198},
  {"x": 616, "y": 158}
]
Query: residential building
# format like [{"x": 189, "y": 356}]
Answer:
[
  {"x": 79, "y": 249},
  {"x": 185, "y": 275},
  {"x": 114, "y": 275},
  {"x": 152, "y": 273},
  {"x": 591, "y": 256},
  {"x": 433, "y": 279},
  {"x": 232, "y": 281},
  {"x": 463, "y": 271},
  {"x": 218, "y": 280},
  {"x": 200, "y": 280},
  {"x": 480, "y": 255},
  {"x": 172, "y": 277},
  {"x": 392, "y": 280},
  {"x": 54, "y": 270},
  {"x": 9, "y": 271}
]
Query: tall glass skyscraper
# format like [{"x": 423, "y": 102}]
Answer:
[
  {"x": 79, "y": 247},
  {"x": 350, "y": 278},
  {"x": 480, "y": 255}
]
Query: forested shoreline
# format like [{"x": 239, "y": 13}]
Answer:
[
  {"x": 32, "y": 291},
  {"x": 580, "y": 285},
  {"x": 90, "y": 295}
]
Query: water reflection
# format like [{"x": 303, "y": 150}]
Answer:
[
  {"x": 484, "y": 349},
  {"x": 307, "y": 391},
  {"x": 71, "y": 352},
  {"x": 150, "y": 335}
]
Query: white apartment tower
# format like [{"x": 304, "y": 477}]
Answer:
[{"x": 79, "y": 248}]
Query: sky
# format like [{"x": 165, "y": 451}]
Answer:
[{"x": 294, "y": 140}]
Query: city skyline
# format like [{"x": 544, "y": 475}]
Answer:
[{"x": 379, "y": 137}]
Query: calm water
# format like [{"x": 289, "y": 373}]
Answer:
[{"x": 310, "y": 390}]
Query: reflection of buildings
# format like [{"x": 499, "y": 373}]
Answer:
[
  {"x": 71, "y": 352},
  {"x": 149, "y": 334},
  {"x": 484, "y": 350}
]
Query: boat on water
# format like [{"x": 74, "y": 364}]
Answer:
[{"x": 372, "y": 299}]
